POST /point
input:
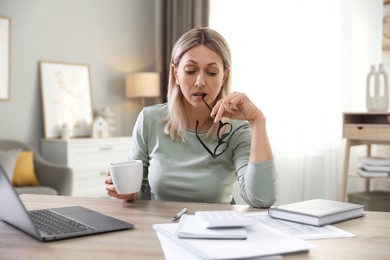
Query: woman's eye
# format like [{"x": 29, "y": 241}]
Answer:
[
  {"x": 190, "y": 72},
  {"x": 212, "y": 74}
]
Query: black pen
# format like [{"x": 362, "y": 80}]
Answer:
[{"x": 179, "y": 214}]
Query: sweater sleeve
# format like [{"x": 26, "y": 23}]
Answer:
[
  {"x": 139, "y": 151},
  {"x": 257, "y": 181}
]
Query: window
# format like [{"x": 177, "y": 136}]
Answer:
[{"x": 302, "y": 63}]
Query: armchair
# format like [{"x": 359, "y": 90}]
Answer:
[{"x": 54, "y": 179}]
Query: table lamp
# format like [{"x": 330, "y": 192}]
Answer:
[{"x": 143, "y": 85}]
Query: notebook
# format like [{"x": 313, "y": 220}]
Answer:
[
  {"x": 79, "y": 221},
  {"x": 317, "y": 212},
  {"x": 191, "y": 227}
]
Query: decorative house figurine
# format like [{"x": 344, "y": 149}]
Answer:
[
  {"x": 65, "y": 131},
  {"x": 100, "y": 128},
  {"x": 108, "y": 115}
]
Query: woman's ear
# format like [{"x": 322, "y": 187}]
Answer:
[
  {"x": 174, "y": 72},
  {"x": 226, "y": 75}
]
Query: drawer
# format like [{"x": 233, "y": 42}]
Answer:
[
  {"x": 82, "y": 172},
  {"x": 92, "y": 154},
  {"x": 383, "y": 134},
  {"x": 359, "y": 132},
  {"x": 89, "y": 188},
  {"x": 89, "y": 181},
  {"x": 95, "y": 191}
]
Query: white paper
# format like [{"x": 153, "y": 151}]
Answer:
[
  {"x": 261, "y": 241},
  {"x": 300, "y": 230},
  {"x": 172, "y": 251}
]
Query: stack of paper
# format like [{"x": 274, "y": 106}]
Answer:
[
  {"x": 261, "y": 241},
  {"x": 374, "y": 166},
  {"x": 303, "y": 231}
]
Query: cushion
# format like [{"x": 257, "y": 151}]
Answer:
[
  {"x": 8, "y": 160},
  {"x": 36, "y": 190},
  {"x": 24, "y": 174}
]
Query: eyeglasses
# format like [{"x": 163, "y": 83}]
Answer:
[{"x": 224, "y": 130}]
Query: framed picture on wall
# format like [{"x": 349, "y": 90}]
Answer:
[
  {"x": 66, "y": 99},
  {"x": 386, "y": 28},
  {"x": 5, "y": 42}
]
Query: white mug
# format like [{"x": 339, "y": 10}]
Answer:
[{"x": 127, "y": 176}]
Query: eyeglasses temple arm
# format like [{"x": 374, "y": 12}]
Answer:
[
  {"x": 201, "y": 142},
  {"x": 204, "y": 101}
]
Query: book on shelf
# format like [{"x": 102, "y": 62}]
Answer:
[
  {"x": 317, "y": 212},
  {"x": 373, "y": 173},
  {"x": 375, "y": 168},
  {"x": 375, "y": 161}
]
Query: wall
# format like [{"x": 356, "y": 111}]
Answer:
[{"x": 112, "y": 37}]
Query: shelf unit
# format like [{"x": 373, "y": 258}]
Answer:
[{"x": 367, "y": 128}]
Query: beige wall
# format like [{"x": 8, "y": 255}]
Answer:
[{"x": 111, "y": 36}]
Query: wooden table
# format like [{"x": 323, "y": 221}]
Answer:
[{"x": 372, "y": 232}]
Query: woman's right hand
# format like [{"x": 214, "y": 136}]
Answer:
[{"x": 111, "y": 191}]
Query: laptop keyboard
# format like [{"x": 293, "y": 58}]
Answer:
[{"x": 51, "y": 223}]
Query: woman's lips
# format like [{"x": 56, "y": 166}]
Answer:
[{"x": 199, "y": 96}]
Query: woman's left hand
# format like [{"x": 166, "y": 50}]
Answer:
[{"x": 236, "y": 106}]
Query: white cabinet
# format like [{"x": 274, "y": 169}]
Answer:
[{"x": 89, "y": 159}]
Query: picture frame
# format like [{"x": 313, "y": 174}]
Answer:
[
  {"x": 5, "y": 52},
  {"x": 386, "y": 29},
  {"x": 66, "y": 99}
]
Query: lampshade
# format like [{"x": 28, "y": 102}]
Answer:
[{"x": 143, "y": 84}]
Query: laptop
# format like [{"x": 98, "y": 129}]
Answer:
[{"x": 69, "y": 222}]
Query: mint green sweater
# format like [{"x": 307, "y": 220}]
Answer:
[{"x": 185, "y": 171}]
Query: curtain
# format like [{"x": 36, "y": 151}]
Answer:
[
  {"x": 302, "y": 62},
  {"x": 179, "y": 16}
]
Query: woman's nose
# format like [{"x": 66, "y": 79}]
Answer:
[{"x": 200, "y": 80}]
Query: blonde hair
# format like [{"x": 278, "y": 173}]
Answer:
[{"x": 176, "y": 119}]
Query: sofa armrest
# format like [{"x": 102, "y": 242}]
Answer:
[{"x": 58, "y": 177}]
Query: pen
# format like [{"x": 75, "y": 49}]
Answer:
[{"x": 179, "y": 214}]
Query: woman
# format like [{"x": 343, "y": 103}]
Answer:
[{"x": 195, "y": 146}]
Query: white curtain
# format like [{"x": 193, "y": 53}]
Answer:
[{"x": 303, "y": 62}]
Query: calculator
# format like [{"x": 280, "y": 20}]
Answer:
[{"x": 224, "y": 218}]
